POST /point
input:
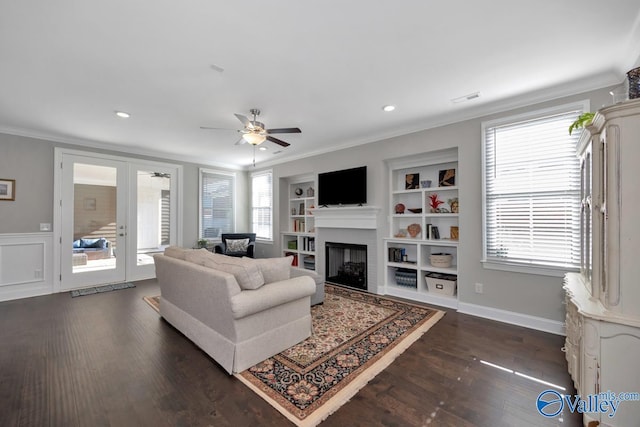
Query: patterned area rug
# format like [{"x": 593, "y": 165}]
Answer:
[
  {"x": 355, "y": 336},
  {"x": 154, "y": 302},
  {"x": 100, "y": 289}
]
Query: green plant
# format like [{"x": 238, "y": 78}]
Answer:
[
  {"x": 202, "y": 243},
  {"x": 583, "y": 120}
]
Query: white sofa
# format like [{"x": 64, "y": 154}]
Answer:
[{"x": 236, "y": 327}]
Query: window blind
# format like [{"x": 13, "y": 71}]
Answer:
[
  {"x": 216, "y": 204},
  {"x": 261, "y": 205},
  {"x": 532, "y": 192}
]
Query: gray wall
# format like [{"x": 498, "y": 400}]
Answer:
[
  {"x": 530, "y": 294},
  {"x": 30, "y": 162}
]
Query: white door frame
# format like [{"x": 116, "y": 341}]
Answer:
[{"x": 177, "y": 188}]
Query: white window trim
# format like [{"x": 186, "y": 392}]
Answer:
[
  {"x": 254, "y": 174},
  {"x": 234, "y": 200},
  {"x": 506, "y": 265}
]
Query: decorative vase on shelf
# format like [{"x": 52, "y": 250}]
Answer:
[{"x": 634, "y": 83}]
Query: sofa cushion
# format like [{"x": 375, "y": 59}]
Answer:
[
  {"x": 247, "y": 274},
  {"x": 237, "y": 246},
  {"x": 273, "y": 269},
  {"x": 176, "y": 252}
]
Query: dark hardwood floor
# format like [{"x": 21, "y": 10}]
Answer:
[{"x": 110, "y": 360}]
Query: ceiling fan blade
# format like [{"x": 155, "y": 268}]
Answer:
[
  {"x": 246, "y": 122},
  {"x": 278, "y": 141},
  {"x": 284, "y": 130},
  {"x": 241, "y": 141},
  {"x": 212, "y": 128}
]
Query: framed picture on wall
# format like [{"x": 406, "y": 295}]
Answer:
[
  {"x": 447, "y": 178},
  {"x": 89, "y": 204},
  {"x": 7, "y": 189}
]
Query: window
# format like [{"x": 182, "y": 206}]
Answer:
[
  {"x": 532, "y": 192},
  {"x": 217, "y": 195},
  {"x": 261, "y": 205}
]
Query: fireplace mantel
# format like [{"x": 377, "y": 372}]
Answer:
[{"x": 353, "y": 217}]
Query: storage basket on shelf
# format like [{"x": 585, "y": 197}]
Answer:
[
  {"x": 441, "y": 260},
  {"x": 444, "y": 284},
  {"x": 407, "y": 278}
]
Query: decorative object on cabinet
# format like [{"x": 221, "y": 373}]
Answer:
[
  {"x": 440, "y": 260},
  {"x": 399, "y": 208},
  {"x": 434, "y": 202},
  {"x": 298, "y": 191},
  {"x": 415, "y": 210},
  {"x": 401, "y": 234},
  {"x": 8, "y": 189},
  {"x": 447, "y": 177},
  {"x": 310, "y": 192},
  {"x": 454, "y": 233},
  {"x": 453, "y": 204},
  {"x": 441, "y": 283},
  {"x": 425, "y": 184},
  {"x": 301, "y": 209},
  {"x": 634, "y": 83},
  {"x": 412, "y": 181},
  {"x": 583, "y": 120},
  {"x": 414, "y": 230},
  {"x": 406, "y": 277}
]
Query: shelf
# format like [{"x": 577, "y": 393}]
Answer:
[
  {"x": 426, "y": 242},
  {"x": 440, "y": 215},
  {"x": 297, "y": 233},
  {"x": 428, "y": 167},
  {"x": 426, "y": 190},
  {"x": 407, "y": 265}
]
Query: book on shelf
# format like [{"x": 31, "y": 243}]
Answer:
[
  {"x": 309, "y": 244},
  {"x": 294, "y": 262},
  {"x": 298, "y": 225},
  {"x": 397, "y": 254},
  {"x": 432, "y": 232}
]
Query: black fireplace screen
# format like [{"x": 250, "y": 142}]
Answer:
[{"x": 346, "y": 264}]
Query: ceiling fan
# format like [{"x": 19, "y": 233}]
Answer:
[{"x": 255, "y": 132}]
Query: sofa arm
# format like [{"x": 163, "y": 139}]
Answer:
[{"x": 318, "y": 297}]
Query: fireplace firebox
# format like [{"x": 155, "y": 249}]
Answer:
[{"x": 346, "y": 264}]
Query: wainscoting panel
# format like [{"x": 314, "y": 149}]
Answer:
[{"x": 26, "y": 265}]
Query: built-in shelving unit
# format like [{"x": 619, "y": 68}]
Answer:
[
  {"x": 298, "y": 239},
  {"x": 419, "y": 230}
]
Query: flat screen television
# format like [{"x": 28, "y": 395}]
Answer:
[{"x": 343, "y": 187}]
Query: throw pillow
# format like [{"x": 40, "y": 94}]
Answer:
[
  {"x": 273, "y": 269},
  {"x": 247, "y": 274},
  {"x": 235, "y": 246}
]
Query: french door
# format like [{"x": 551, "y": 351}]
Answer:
[
  {"x": 94, "y": 221},
  {"x": 115, "y": 214}
]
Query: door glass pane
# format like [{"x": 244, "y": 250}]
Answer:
[
  {"x": 94, "y": 217},
  {"x": 154, "y": 214}
]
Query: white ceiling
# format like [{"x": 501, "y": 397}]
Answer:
[{"x": 327, "y": 67}]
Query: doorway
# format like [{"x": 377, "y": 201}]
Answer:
[{"x": 114, "y": 214}]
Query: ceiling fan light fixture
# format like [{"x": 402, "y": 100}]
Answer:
[{"x": 254, "y": 138}]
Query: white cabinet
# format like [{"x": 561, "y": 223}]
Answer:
[
  {"x": 298, "y": 239},
  {"x": 424, "y": 208},
  {"x": 603, "y": 300}
]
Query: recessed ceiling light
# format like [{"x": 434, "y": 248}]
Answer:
[
  {"x": 123, "y": 114},
  {"x": 262, "y": 148},
  {"x": 388, "y": 108}
]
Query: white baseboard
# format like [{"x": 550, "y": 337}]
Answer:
[{"x": 513, "y": 318}]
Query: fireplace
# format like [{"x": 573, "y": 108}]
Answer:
[{"x": 346, "y": 264}]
